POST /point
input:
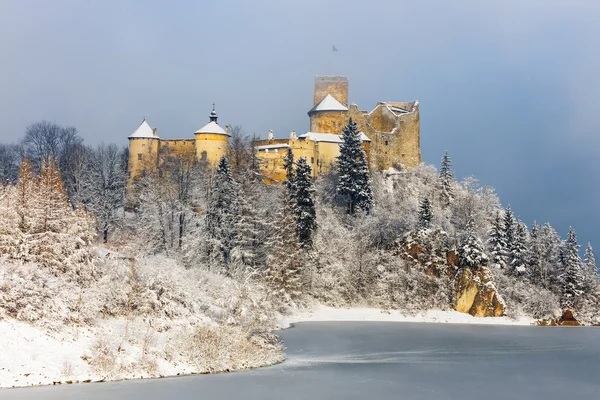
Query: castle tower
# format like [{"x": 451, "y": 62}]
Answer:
[
  {"x": 143, "y": 149},
  {"x": 330, "y": 111},
  {"x": 211, "y": 141}
]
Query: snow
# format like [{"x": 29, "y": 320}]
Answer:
[
  {"x": 212, "y": 127},
  {"x": 322, "y": 313},
  {"x": 272, "y": 146},
  {"x": 329, "y": 103},
  {"x": 328, "y": 137},
  {"x": 143, "y": 131}
]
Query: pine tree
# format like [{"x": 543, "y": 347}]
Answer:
[
  {"x": 446, "y": 178},
  {"x": 425, "y": 214},
  {"x": 222, "y": 213},
  {"x": 283, "y": 272},
  {"x": 288, "y": 166},
  {"x": 509, "y": 229},
  {"x": 497, "y": 243},
  {"x": 572, "y": 279},
  {"x": 354, "y": 186},
  {"x": 304, "y": 204},
  {"x": 518, "y": 250},
  {"x": 471, "y": 252}
]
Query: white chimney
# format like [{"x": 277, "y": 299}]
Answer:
[
  {"x": 270, "y": 137},
  {"x": 293, "y": 135}
]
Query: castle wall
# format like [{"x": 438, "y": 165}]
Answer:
[
  {"x": 211, "y": 147},
  {"x": 337, "y": 86},
  {"x": 401, "y": 144},
  {"x": 328, "y": 121}
]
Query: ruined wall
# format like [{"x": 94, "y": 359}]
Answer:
[
  {"x": 337, "y": 86},
  {"x": 399, "y": 145},
  {"x": 328, "y": 121}
]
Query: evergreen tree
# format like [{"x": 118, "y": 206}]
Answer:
[
  {"x": 304, "y": 204},
  {"x": 518, "y": 250},
  {"x": 471, "y": 252},
  {"x": 53, "y": 200},
  {"x": 283, "y": 272},
  {"x": 446, "y": 178},
  {"x": 572, "y": 279},
  {"x": 591, "y": 268},
  {"x": 288, "y": 166},
  {"x": 509, "y": 229},
  {"x": 497, "y": 243},
  {"x": 222, "y": 213},
  {"x": 425, "y": 214},
  {"x": 354, "y": 186}
]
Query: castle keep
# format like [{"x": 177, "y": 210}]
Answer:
[
  {"x": 390, "y": 132},
  {"x": 390, "y": 135}
]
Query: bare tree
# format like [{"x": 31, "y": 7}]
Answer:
[{"x": 11, "y": 156}]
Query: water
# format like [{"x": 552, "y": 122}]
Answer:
[{"x": 348, "y": 360}]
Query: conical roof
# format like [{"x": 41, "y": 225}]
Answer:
[
  {"x": 329, "y": 103},
  {"x": 143, "y": 131},
  {"x": 212, "y": 127}
]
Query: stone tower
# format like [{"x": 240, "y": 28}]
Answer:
[
  {"x": 330, "y": 108},
  {"x": 211, "y": 141},
  {"x": 143, "y": 149}
]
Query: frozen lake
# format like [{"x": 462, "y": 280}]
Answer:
[{"x": 388, "y": 360}]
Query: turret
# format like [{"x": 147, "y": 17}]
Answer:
[
  {"x": 211, "y": 141},
  {"x": 143, "y": 149}
]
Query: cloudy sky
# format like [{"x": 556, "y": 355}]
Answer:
[{"x": 509, "y": 88}]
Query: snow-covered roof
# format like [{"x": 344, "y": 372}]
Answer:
[
  {"x": 143, "y": 131},
  {"x": 212, "y": 127},
  {"x": 329, "y": 103},
  {"x": 328, "y": 137},
  {"x": 272, "y": 146}
]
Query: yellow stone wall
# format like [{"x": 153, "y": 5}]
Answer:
[
  {"x": 214, "y": 144},
  {"x": 328, "y": 121},
  {"x": 143, "y": 153},
  {"x": 337, "y": 86}
]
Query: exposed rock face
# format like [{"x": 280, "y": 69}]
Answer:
[{"x": 476, "y": 293}]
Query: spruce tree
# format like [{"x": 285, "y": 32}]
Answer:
[
  {"x": 572, "y": 279},
  {"x": 590, "y": 266},
  {"x": 446, "y": 178},
  {"x": 283, "y": 272},
  {"x": 497, "y": 243},
  {"x": 288, "y": 166},
  {"x": 471, "y": 253},
  {"x": 222, "y": 213},
  {"x": 354, "y": 186},
  {"x": 510, "y": 231},
  {"x": 518, "y": 250},
  {"x": 304, "y": 204},
  {"x": 425, "y": 214}
]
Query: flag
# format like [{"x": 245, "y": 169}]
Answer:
[{"x": 333, "y": 48}]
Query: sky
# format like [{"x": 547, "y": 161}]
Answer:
[{"x": 509, "y": 88}]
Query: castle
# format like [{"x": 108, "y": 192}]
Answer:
[{"x": 390, "y": 135}]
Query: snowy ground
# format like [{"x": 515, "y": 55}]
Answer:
[
  {"x": 32, "y": 356},
  {"x": 320, "y": 313}
]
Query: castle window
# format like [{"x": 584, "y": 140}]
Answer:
[
  {"x": 312, "y": 160},
  {"x": 204, "y": 155},
  {"x": 334, "y": 124},
  {"x": 139, "y": 156},
  {"x": 386, "y": 143}
]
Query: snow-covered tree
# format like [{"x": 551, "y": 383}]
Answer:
[
  {"x": 288, "y": 166},
  {"x": 590, "y": 266},
  {"x": 222, "y": 213},
  {"x": 446, "y": 179},
  {"x": 510, "y": 230},
  {"x": 283, "y": 273},
  {"x": 471, "y": 253},
  {"x": 303, "y": 203},
  {"x": 497, "y": 243},
  {"x": 518, "y": 251},
  {"x": 354, "y": 186},
  {"x": 103, "y": 187},
  {"x": 573, "y": 278},
  {"x": 425, "y": 214}
]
